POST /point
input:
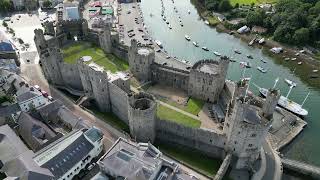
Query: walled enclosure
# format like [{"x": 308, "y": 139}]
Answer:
[{"x": 205, "y": 81}]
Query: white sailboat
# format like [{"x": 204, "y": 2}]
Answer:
[
  {"x": 286, "y": 103},
  {"x": 290, "y": 83}
]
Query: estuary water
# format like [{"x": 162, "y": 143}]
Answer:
[{"x": 306, "y": 146}]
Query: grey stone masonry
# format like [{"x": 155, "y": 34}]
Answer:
[
  {"x": 142, "y": 117},
  {"x": 140, "y": 60},
  {"x": 207, "y": 79}
]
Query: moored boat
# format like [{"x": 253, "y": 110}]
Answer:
[
  {"x": 195, "y": 44},
  {"x": 261, "y": 69},
  {"x": 158, "y": 43},
  {"x": 262, "y": 60},
  {"x": 290, "y": 83},
  {"x": 216, "y": 53},
  {"x": 288, "y": 104},
  {"x": 249, "y": 56},
  {"x": 187, "y": 37},
  {"x": 237, "y": 51},
  {"x": 206, "y": 22},
  {"x": 205, "y": 48}
]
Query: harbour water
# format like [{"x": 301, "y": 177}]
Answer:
[{"x": 306, "y": 146}]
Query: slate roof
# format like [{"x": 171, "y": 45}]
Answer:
[
  {"x": 69, "y": 157},
  {"x": 6, "y": 47},
  {"x": 8, "y": 110},
  {"x": 11, "y": 145},
  {"x": 27, "y": 95},
  {"x": 25, "y": 168}
]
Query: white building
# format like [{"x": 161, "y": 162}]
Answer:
[
  {"x": 31, "y": 98},
  {"x": 60, "y": 160}
]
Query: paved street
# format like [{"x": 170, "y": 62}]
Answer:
[{"x": 273, "y": 171}]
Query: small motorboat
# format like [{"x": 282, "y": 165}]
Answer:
[
  {"x": 216, "y": 53},
  {"x": 262, "y": 41},
  {"x": 206, "y": 22},
  {"x": 187, "y": 37},
  {"x": 189, "y": 11},
  {"x": 245, "y": 64},
  {"x": 249, "y": 56},
  {"x": 232, "y": 60},
  {"x": 181, "y": 24},
  {"x": 314, "y": 76},
  {"x": 315, "y": 70},
  {"x": 167, "y": 22},
  {"x": 205, "y": 48},
  {"x": 237, "y": 51},
  {"x": 299, "y": 63},
  {"x": 261, "y": 69},
  {"x": 158, "y": 43},
  {"x": 293, "y": 59},
  {"x": 195, "y": 44},
  {"x": 286, "y": 59},
  {"x": 290, "y": 83},
  {"x": 262, "y": 60}
]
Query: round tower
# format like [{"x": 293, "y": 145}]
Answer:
[
  {"x": 142, "y": 117},
  {"x": 140, "y": 60}
]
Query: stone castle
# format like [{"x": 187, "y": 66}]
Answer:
[{"x": 247, "y": 119}]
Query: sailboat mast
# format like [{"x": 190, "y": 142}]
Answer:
[
  {"x": 275, "y": 83},
  {"x": 289, "y": 91},
  {"x": 305, "y": 99}
]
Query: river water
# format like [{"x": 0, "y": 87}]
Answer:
[{"x": 306, "y": 146}]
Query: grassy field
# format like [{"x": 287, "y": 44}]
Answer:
[
  {"x": 172, "y": 115},
  {"x": 249, "y": 2},
  {"x": 110, "y": 119},
  {"x": 75, "y": 51},
  {"x": 193, "y": 158},
  {"x": 194, "y": 105}
]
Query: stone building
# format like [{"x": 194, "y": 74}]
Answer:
[
  {"x": 246, "y": 125},
  {"x": 140, "y": 60},
  {"x": 142, "y": 117},
  {"x": 207, "y": 78}
]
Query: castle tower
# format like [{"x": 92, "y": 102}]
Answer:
[
  {"x": 247, "y": 126},
  {"x": 140, "y": 59},
  {"x": 105, "y": 38},
  {"x": 142, "y": 117},
  {"x": 207, "y": 78},
  {"x": 50, "y": 56},
  {"x": 49, "y": 28},
  {"x": 95, "y": 83}
]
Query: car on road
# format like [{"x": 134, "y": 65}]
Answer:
[
  {"x": 37, "y": 87},
  {"x": 44, "y": 93},
  {"x": 50, "y": 98},
  {"x": 128, "y": 12},
  {"x": 91, "y": 166}
]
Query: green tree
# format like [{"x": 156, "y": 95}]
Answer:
[
  {"x": 301, "y": 36},
  {"x": 5, "y": 6},
  {"x": 4, "y": 24},
  {"x": 237, "y": 5},
  {"x": 47, "y": 4},
  {"x": 224, "y": 5},
  {"x": 255, "y": 17},
  {"x": 20, "y": 41}
]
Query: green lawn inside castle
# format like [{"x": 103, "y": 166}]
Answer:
[{"x": 74, "y": 51}]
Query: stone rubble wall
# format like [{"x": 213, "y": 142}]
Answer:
[{"x": 204, "y": 140}]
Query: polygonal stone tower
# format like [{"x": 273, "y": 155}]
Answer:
[
  {"x": 50, "y": 56},
  {"x": 105, "y": 38},
  {"x": 95, "y": 82},
  {"x": 207, "y": 78},
  {"x": 142, "y": 117},
  {"x": 246, "y": 125},
  {"x": 140, "y": 59}
]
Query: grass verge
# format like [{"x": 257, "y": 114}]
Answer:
[
  {"x": 166, "y": 113},
  {"x": 110, "y": 119},
  {"x": 193, "y": 158},
  {"x": 193, "y": 106}
]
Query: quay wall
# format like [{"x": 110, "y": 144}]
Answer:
[{"x": 204, "y": 140}]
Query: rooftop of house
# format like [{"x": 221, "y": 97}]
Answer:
[
  {"x": 11, "y": 145},
  {"x": 63, "y": 154},
  {"x": 25, "y": 96},
  {"x": 138, "y": 160}
]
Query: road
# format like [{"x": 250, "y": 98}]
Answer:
[{"x": 273, "y": 164}]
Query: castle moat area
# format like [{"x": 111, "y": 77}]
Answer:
[{"x": 304, "y": 147}]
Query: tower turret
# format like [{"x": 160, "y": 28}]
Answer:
[
  {"x": 142, "y": 117},
  {"x": 270, "y": 103},
  {"x": 105, "y": 38},
  {"x": 140, "y": 60}
]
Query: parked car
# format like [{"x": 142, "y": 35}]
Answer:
[
  {"x": 45, "y": 94},
  {"x": 50, "y": 98}
]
